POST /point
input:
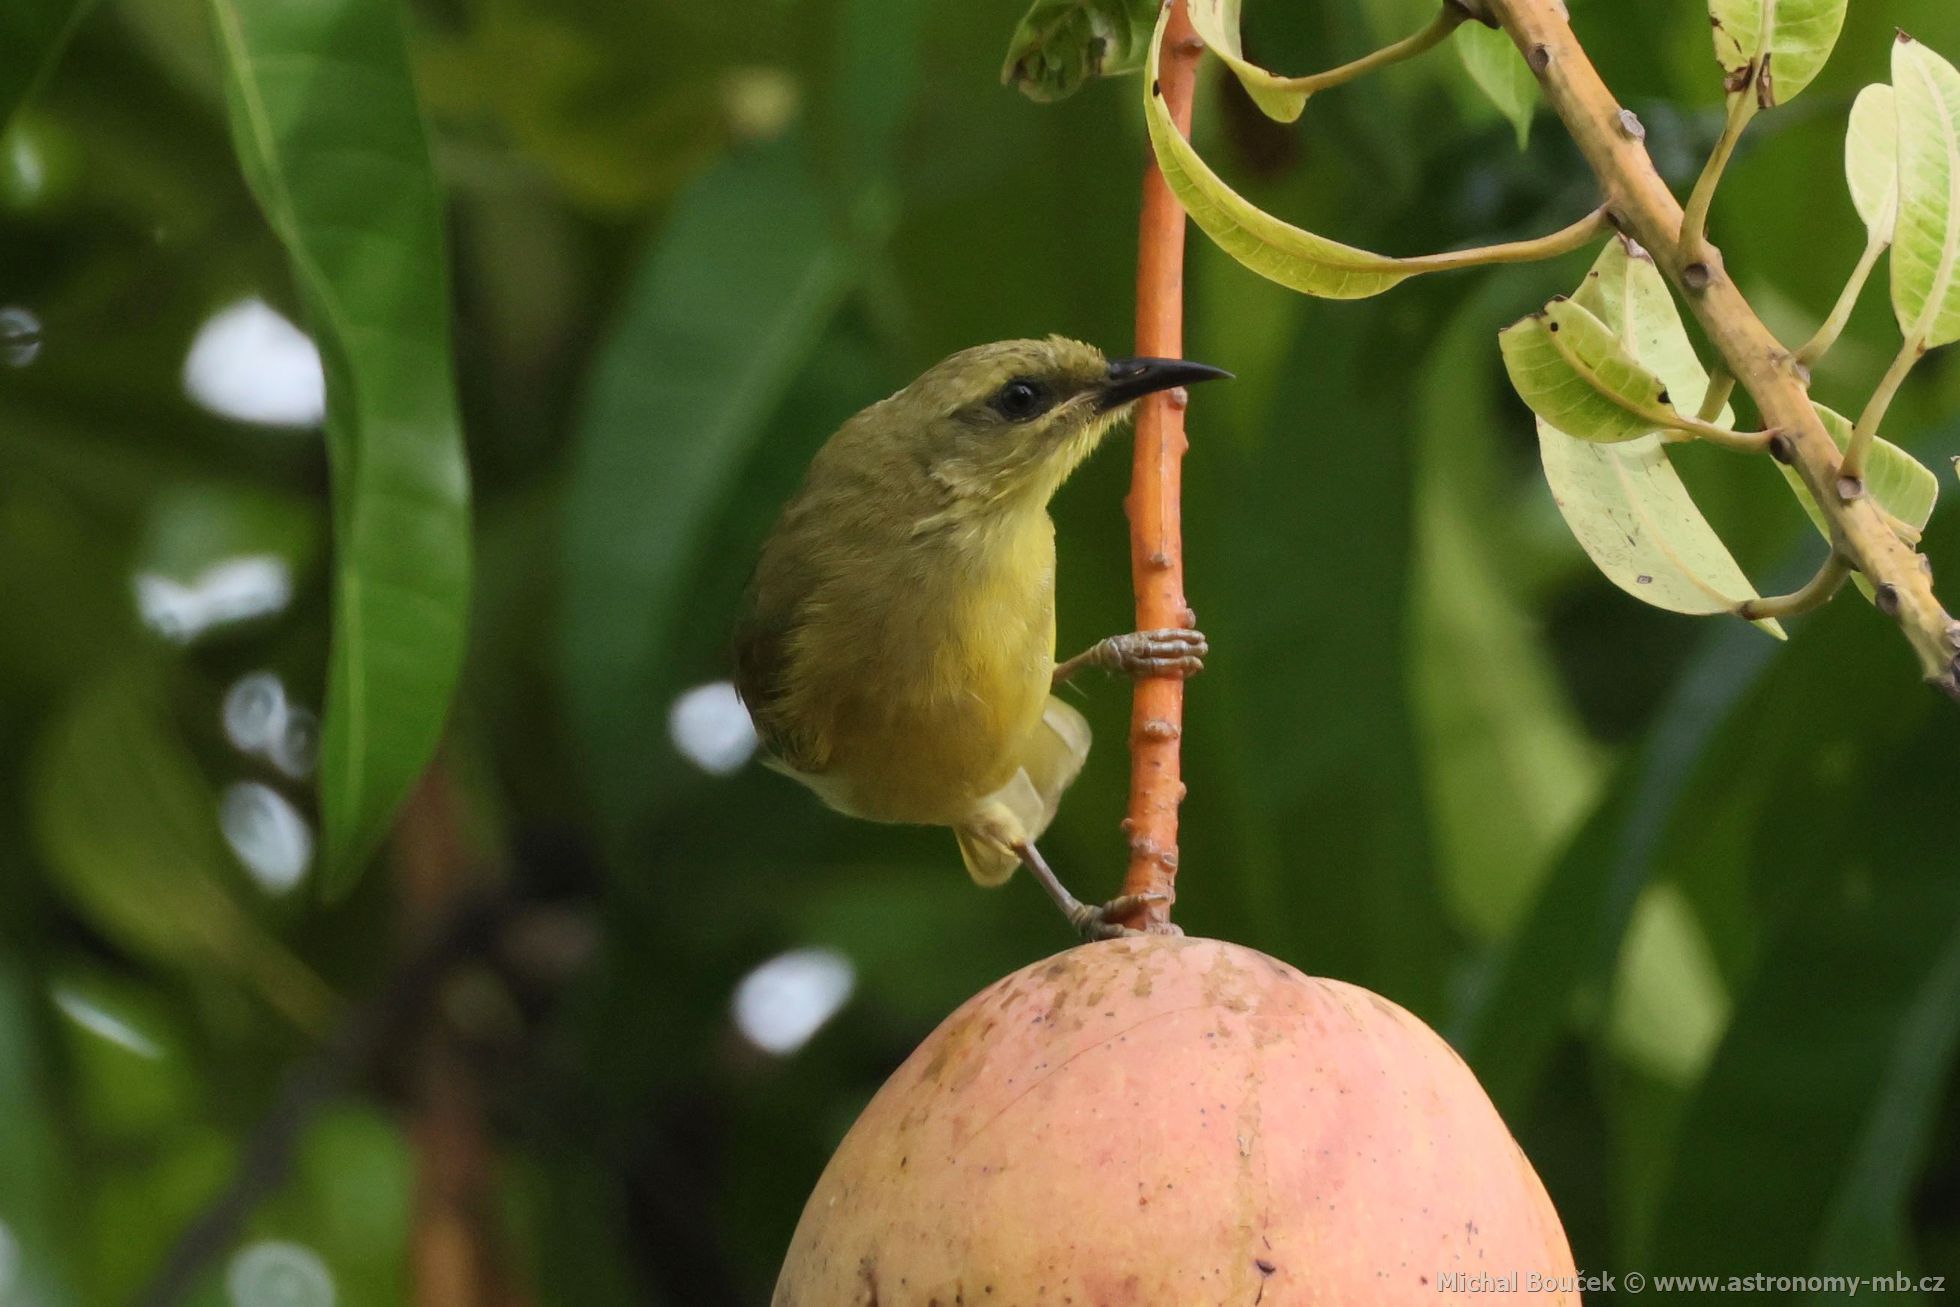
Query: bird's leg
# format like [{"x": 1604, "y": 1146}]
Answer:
[
  {"x": 1178, "y": 651},
  {"x": 1090, "y": 921}
]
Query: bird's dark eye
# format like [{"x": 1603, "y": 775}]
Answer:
[{"x": 1021, "y": 399}]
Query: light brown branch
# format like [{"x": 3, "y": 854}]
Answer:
[
  {"x": 1643, "y": 207},
  {"x": 1155, "y": 505}
]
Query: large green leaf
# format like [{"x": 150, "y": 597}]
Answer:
[
  {"x": 1562, "y": 957},
  {"x": 327, "y": 128},
  {"x": 731, "y": 300},
  {"x": 1803, "y": 1144},
  {"x": 1871, "y": 159},
  {"x": 1501, "y": 73},
  {"x": 129, "y": 832},
  {"x": 1926, "y": 246},
  {"x": 1624, "y": 502},
  {"x": 1060, "y": 44},
  {"x": 1507, "y": 767},
  {"x": 32, "y": 36},
  {"x": 1571, "y": 370},
  {"x": 1797, "y": 36},
  {"x": 39, "y": 1196}
]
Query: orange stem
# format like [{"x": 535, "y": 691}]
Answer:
[{"x": 1155, "y": 504}]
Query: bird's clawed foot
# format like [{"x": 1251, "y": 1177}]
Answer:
[
  {"x": 1175, "y": 651},
  {"x": 1092, "y": 921},
  {"x": 1102, "y": 921}
]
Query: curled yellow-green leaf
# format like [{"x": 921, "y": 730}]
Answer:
[
  {"x": 1282, "y": 98},
  {"x": 1275, "y": 249},
  {"x": 1570, "y": 370},
  {"x": 1217, "y": 25}
]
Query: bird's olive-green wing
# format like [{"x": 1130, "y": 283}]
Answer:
[{"x": 770, "y": 618}]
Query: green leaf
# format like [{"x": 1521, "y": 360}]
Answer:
[
  {"x": 39, "y": 1196},
  {"x": 1844, "y": 1036},
  {"x": 33, "y": 34},
  {"x": 1633, "y": 517},
  {"x": 1797, "y": 35},
  {"x": 1562, "y": 957},
  {"x": 1274, "y": 249},
  {"x": 1061, "y": 44},
  {"x": 1926, "y": 246},
  {"x": 327, "y": 128},
  {"x": 129, "y": 833},
  {"x": 1217, "y": 25},
  {"x": 1871, "y": 160},
  {"x": 1508, "y": 769},
  {"x": 1669, "y": 1003},
  {"x": 1569, "y": 369},
  {"x": 1900, "y": 484},
  {"x": 1626, "y": 291},
  {"x": 730, "y": 301},
  {"x": 1624, "y": 502},
  {"x": 1501, "y": 73}
]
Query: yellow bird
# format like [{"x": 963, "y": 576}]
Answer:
[{"x": 897, "y": 651}]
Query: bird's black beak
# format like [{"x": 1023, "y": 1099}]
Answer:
[{"x": 1134, "y": 378}]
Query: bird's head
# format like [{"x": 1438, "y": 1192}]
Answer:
[{"x": 999, "y": 423}]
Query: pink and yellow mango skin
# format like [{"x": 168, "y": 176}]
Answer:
[{"x": 1172, "y": 1122}]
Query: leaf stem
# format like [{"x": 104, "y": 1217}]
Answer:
[
  {"x": 1743, "y": 108},
  {"x": 1563, "y": 241},
  {"x": 1743, "y": 442},
  {"x": 1155, "y": 504},
  {"x": 1873, "y": 417},
  {"x": 1721, "y": 385},
  {"x": 1827, "y": 335},
  {"x": 1817, "y": 592},
  {"x": 1407, "y": 48},
  {"x": 1648, "y": 211}
]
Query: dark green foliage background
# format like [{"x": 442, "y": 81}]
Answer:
[{"x": 1685, "y": 899}]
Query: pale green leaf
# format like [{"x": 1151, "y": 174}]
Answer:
[
  {"x": 1274, "y": 249},
  {"x": 1899, "y": 483},
  {"x": 1797, "y": 36},
  {"x": 1060, "y": 44},
  {"x": 1624, "y": 502},
  {"x": 1926, "y": 246},
  {"x": 1871, "y": 160},
  {"x": 1501, "y": 73},
  {"x": 1626, "y": 291},
  {"x": 1217, "y": 25},
  {"x": 1635, "y": 520},
  {"x": 1570, "y": 369},
  {"x": 328, "y": 130}
]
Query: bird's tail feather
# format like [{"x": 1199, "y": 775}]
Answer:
[{"x": 1022, "y": 809}]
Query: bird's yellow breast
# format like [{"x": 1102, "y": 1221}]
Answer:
[{"x": 947, "y": 679}]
